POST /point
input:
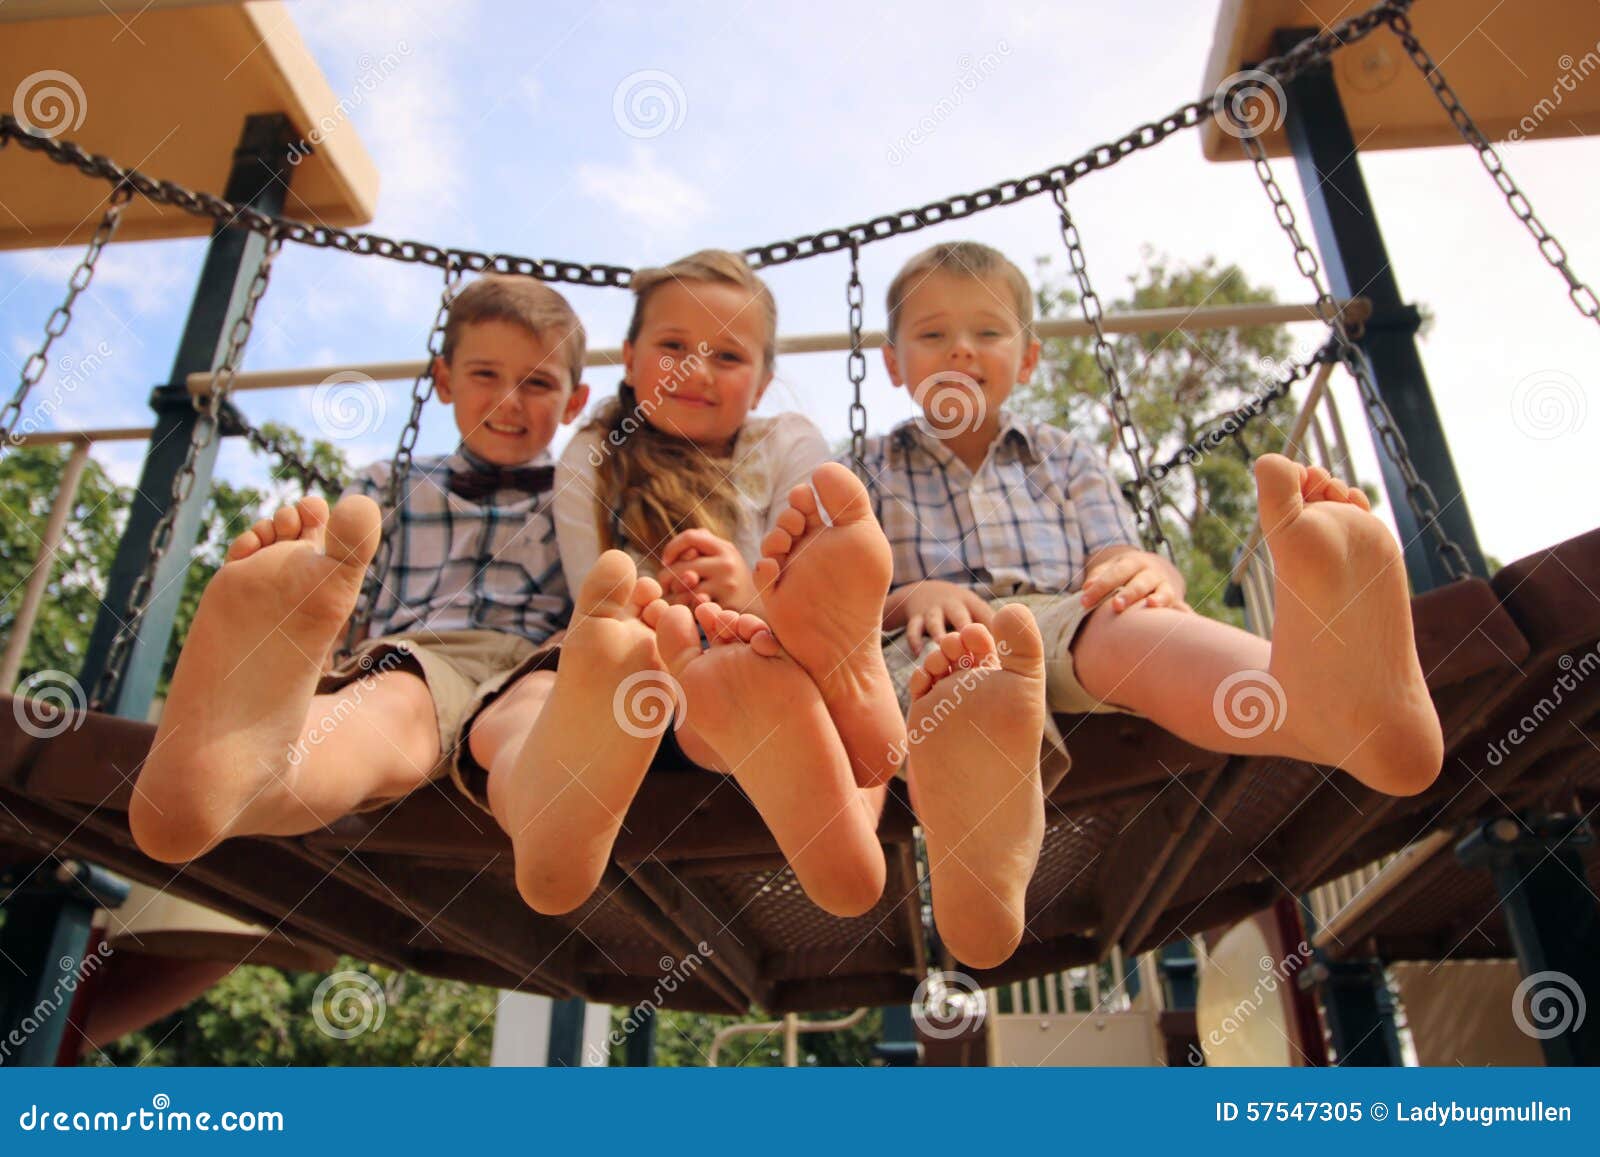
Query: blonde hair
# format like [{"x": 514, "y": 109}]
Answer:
[
  {"x": 652, "y": 484},
  {"x": 964, "y": 259},
  {"x": 524, "y": 302}
]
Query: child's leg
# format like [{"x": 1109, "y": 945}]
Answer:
[
  {"x": 977, "y": 717},
  {"x": 566, "y": 753},
  {"x": 234, "y": 753},
  {"x": 823, "y": 580},
  {"x": 1340, "y": 683},
  {"x": 769, "y": 728}
]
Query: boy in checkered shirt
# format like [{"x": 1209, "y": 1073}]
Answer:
[
  {"x": 1020, "y": 590},
  {"x": 258, "y": 738}
]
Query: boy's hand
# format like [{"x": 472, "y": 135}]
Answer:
[
  {"x": 932, "y": 609},
  {"x": 698, "y": 566},
  {"x": 1131, "y": 576}
]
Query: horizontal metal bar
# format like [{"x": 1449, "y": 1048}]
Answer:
[{"x": 1184, "y": 319}]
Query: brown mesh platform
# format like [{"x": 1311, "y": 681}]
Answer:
[{"x": 1147, "y": 837}]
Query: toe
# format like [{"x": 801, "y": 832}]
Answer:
[
  {"x": 244, "y": 546},
  {"x": 1279, "y": 488},
  {"x": 608, "y": 587},
  {"x": 265, "y": 531},
  {"x": 953, "y": 650},
  {"x": 778, "y": 541},
  {"x": 841, "y": 493},
  {"x": 1017, "y": 640},
  {"x": 919, "y": 684},
  {"x": 645, "y": 592},
  {"x": 749, "y": 626},
  {"x": 676, "y": 638},
  {"x": 936, "y": 664},
  {"x": 765, "y": 574},
  {"x": 979, "y": 643},
  {"x": 650, "y": 613},
  {"x": 354, "y": 528},
  {"x": 286, "y": 521},
  {"x": 792, "y": 520}
]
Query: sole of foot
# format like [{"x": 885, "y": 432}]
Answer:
[
  {"x": 247, "y": 672},
  {"x": 753, "y": 705},
  {"x": 568, "y": 789},
  {"x": 823, "y": 578},
  {"x": 1343, "y": 647},
  {"x": 976, "y": 720}
]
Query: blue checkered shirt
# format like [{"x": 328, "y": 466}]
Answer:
[
  {"x": 459, "y": 565},
  {"x": 1025, "y": 522}
]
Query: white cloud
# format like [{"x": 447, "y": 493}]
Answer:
[{"x": 645, "y": 192}]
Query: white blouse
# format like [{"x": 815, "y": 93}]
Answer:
[{"x": 771, "y": 456}]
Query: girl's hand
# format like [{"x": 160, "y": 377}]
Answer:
[
  {"x": 698, "y": 566},
  {"x": 1133, "y": 576},
  {"x": 933, "y": 608}
]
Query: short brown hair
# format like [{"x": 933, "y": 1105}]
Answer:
[
  {"x": 965, "y": 259},
  {"x": 522, "y": 301}
]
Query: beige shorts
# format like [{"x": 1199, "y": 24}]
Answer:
[
  {"x": 1059, "y": 618},
  {"x": 465, "y": 671}
]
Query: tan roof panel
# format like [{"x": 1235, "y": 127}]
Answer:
[
  {"x": 166, "y": 90},
  {"x": 1512, "y": 65}
]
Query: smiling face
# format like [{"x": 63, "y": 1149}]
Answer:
[
  {"x": 698, "y": 364},
  {"x": 509, "y": 389},
  {"x": 960, "y": 349}
]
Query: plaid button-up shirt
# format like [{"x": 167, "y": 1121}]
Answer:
[
  {"x": 1025, "y": 522},
  {"x": 459, "y": 565}
]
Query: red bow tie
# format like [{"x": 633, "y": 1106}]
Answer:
[{"x": 478, "y": 483}]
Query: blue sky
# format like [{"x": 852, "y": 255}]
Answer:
[{"x": 496, "y": 128}]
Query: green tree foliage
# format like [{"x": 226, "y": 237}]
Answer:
[
  {"x": 1179, "y": 385},
  {"x": 264, "y": 1016}
]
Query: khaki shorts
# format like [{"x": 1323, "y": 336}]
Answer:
[
  {"x": 465, "y": 671},
  {"x": 1059, "y": 618}
]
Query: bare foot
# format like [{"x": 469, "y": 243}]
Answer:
[
  {"x": 563, "y": 796},
  {"x": 977, "y": 715},
  {"x": 765, "y": 719},
  {"x": 823, "y": 579},
  {"x": 1343, "y": 649},
  {"x": 247, "y": 673}
]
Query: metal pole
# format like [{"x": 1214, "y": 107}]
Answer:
[
  {"x": 259, "y": 178},
  {"x": 1351, "y": 245},
  {"x": 566, "y": 1033},
  {"x": 43, "y": 567}
]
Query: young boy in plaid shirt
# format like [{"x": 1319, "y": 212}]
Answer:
[
  {"x": 1016, "y": 558},
  {"x": 257, "y": 738}
]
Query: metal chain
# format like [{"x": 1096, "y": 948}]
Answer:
[
  {"x": 58, "y": 321},
  {"x": 309, "y": 473},
  {"x": 1419, "y": 495},
  {"x": 400, "y": 465},
  {"x": 1582, "y": 297},
  {"x": 1310, "y": 51},
  {"x": 1147, "y": 500},
  {"x": 1233, "y": 424},
  {"x": 209, "y": 408},
  {"x": 857, "y": 365}
]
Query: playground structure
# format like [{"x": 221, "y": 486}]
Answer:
[{"x": 1489, "y": 862}]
